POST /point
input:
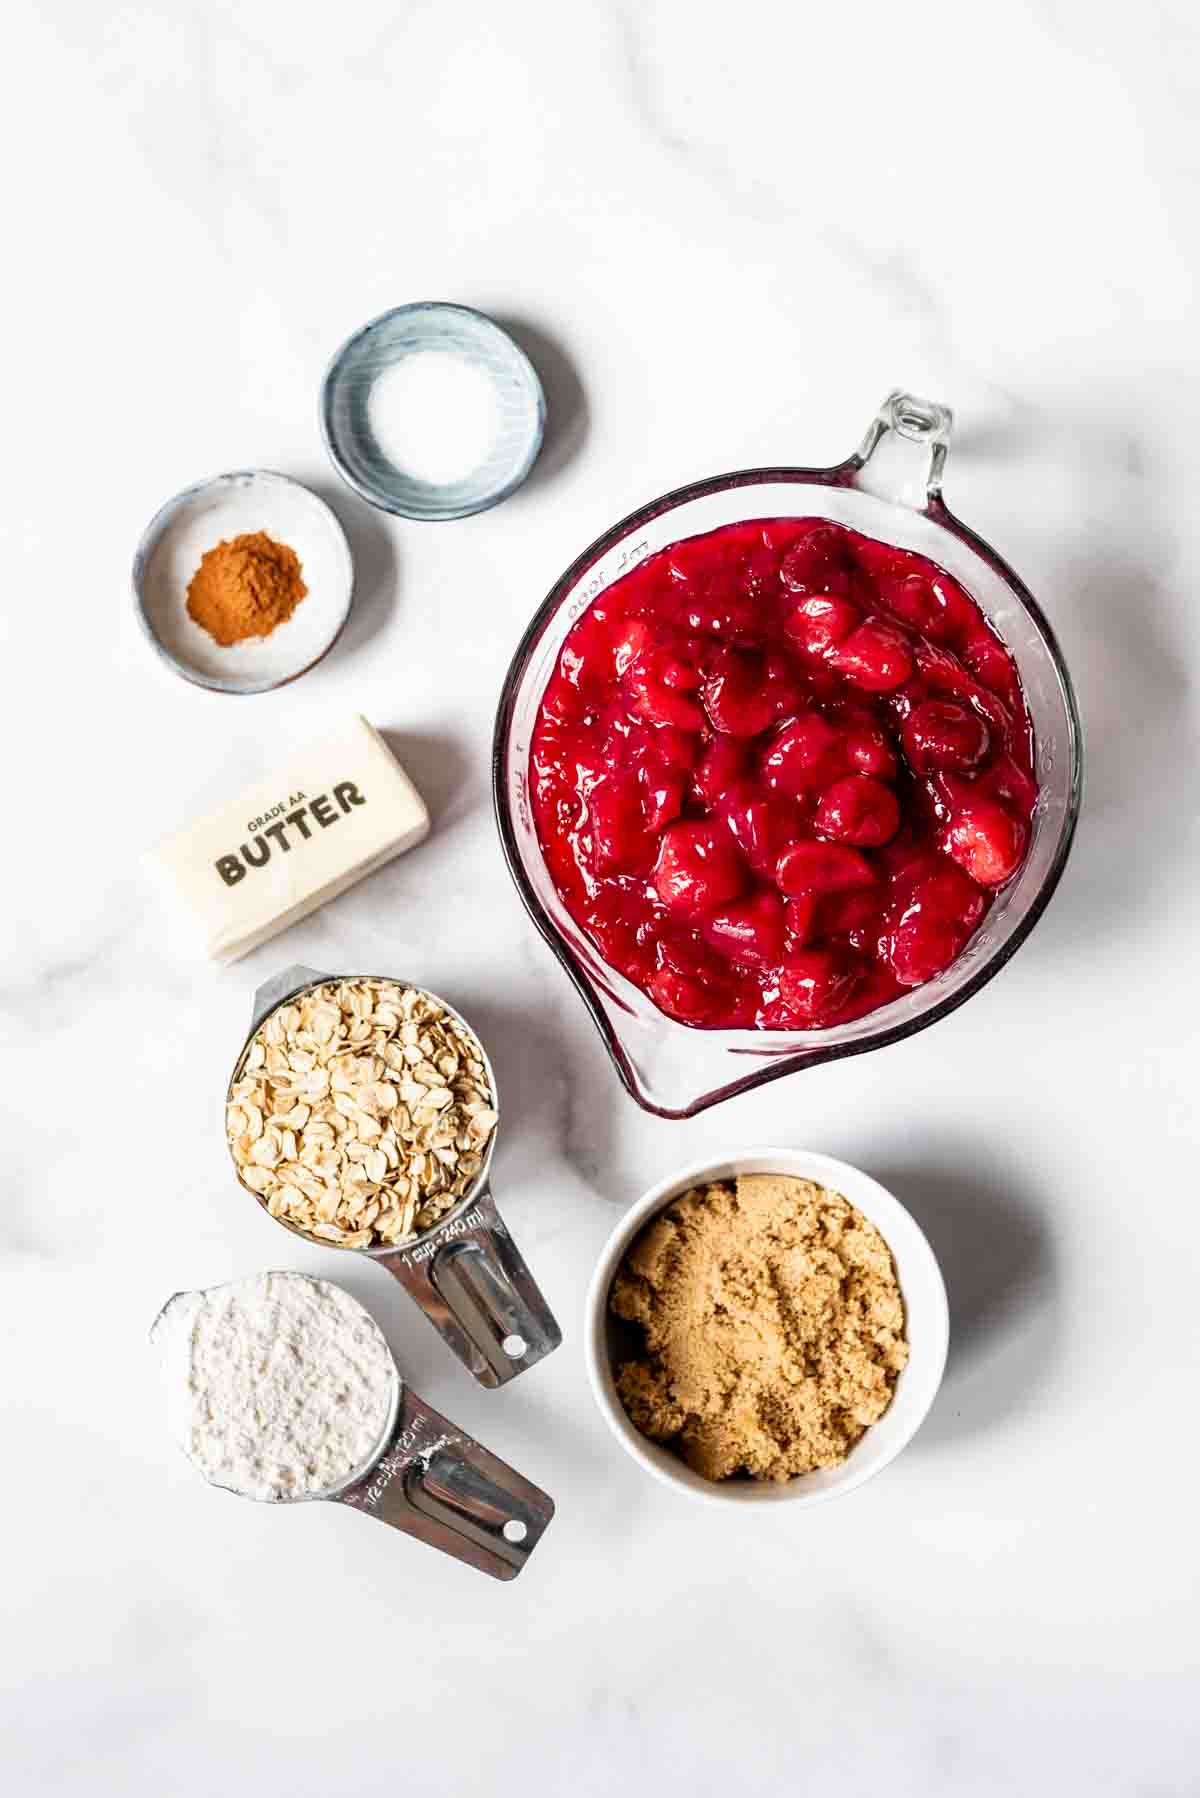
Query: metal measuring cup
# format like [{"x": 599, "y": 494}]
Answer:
[
  {"x": 426, "y": 1478},
  {"x": 465, "y": 1272}
]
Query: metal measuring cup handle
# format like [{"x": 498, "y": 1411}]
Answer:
[
  {"x": 436, "y": 1483},
  {"x": 470, "y": 1279}
]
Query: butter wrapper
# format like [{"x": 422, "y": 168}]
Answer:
[{"x": 335, "y": 812}]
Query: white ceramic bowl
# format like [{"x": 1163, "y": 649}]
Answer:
[
  {"x": 252, "y": 499},
  {"x": 928, "y": 1320}
]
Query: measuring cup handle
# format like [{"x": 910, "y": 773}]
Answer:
[
  {"x": 907, "y": 475},
  {"x": 281, "y": 986},
  {"x": 470, "y": 1280},
  {"x": 436, "y": 1483}
]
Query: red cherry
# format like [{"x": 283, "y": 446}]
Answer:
[
  {"x": 935, "y": 910},
  {"x": 723, "y": 763},
  {"x": 816, "y": 562},
  {"x": 674, "y": 672},
  {"x": 932, "y": 605},
  {"x": 619, "y": 840},
  {"x": 812, "y": 867},
  {"x": 825, "y": 686},
  {"x": 949, "y": 792},
  {"x": 798, "y": 757},
  {"x": 878, "y": 559},
  {"x": 760, "y": 823},
  {"x": 677, "y": 946},
  {"x": 586, "y": 658},
  {"x": 632, "y": 637},
  {"x": 697, "y": 867},
  {"x": 615, "y": 931},
  {"x": 987, "y": 841},
  {"x": 735, "y": 695},
  {"x": 662, "y": 795},
  {"x": 720, "y": 610},
  {"x": 868, "y": 750},
  {"x": 958, "y": 609},
  {"x": 758, "y": 577},
  {"x": 684, "y": 997},
  {"x": 800, "y": 915},
  {"x": 852, "y": 916},
  {"x": 678, "y": 750},
  {"x": 659, "y": 704},
  {"x": 921, "y": 948},
  {"x": 991, "y": 664},
  {"x": 946, "y": 674},
  {"x": 695, "y": 983},
  {"x": 875, "y": 657},
  {"x": 691, "y": 560},
  {"x": 941, "y": 733},
  {"x": 858, "y": 810},
  {"x": 819, "y": 622},
  {"x": 749, "y": 931},
  {"x": 816, "y": 983},
  {"x": 561, "y": 704},
  {"x": 787, "y": 687},
  {"x": 1006, "y": 780}
]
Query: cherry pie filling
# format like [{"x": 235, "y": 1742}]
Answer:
[{"x": 780, "y": 772}]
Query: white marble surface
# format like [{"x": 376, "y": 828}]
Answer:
[{"x": 723, "y": 237}]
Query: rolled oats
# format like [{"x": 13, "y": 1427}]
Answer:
[{"x": 360, "y": 1112}]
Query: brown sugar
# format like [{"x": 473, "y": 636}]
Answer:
[
  {"x": 245, "y": 587},
  {"x": 773, "y": 1327}
]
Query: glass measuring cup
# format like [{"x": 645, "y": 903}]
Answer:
[
  {"x": 425, "y": 1476},
  {"x": 890, "y": 488},
  {"x": 465, "y": 1272}
]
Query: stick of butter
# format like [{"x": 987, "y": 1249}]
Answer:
[{"x": 337, "y": 811}]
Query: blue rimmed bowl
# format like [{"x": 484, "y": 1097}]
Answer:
[{"x": 442, "y": 328}]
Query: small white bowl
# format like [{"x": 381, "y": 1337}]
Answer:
[
  {"x": 927, "y": 1315},
  {"x": 230, "y": 505}
]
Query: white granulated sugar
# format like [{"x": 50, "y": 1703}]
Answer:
[
  {"x": 434, "y": 415},
  {"x": 278, "y": 1386}
]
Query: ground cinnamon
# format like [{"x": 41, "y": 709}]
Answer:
[{"x": 245, "y": 587}]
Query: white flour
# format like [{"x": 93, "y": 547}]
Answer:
[{"x": 278, "y": 1386}]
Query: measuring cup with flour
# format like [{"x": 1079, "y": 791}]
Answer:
[
  {"x": 281, "y": 1387},
  {"x": 463, "y": 1269}
]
